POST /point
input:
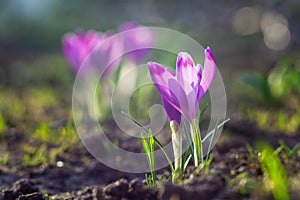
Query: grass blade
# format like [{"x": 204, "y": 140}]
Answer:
[
  {"x": 187, "y": 132},
  {"x": 135, "y": 121},
  {"x": 187, "y": 162},
  {"x": 202, "y": 112},
  {"x": 211, "y": 140},
  {"x": 155, "y": 139},
  {"x": 210, "y": 133}
]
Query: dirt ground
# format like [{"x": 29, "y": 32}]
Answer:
[{"x": 233, "y": 173}]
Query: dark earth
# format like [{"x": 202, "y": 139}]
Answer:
[{"x": 89, "y": 179}]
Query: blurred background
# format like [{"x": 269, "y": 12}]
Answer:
[
  {"x": 245, "y": 36},
  {"x": 256, "y": 46}
]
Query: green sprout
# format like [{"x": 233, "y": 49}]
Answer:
[
  {"x": 250, "y": 150},
  {"x": 36, "y": 158},
  {"x": 274, "y": 172},
  {"x": 149, "y": 148},
  {"x": 4, "y": 158},
  {"x": 275, "y": 87},
  {"x": 3, "y": 126},
  {"x": 243, "y": 183},
  {"x": 291, "y": 152},
  {"x": 278, "y": 87},
  {"x": 151, "y": 143}
]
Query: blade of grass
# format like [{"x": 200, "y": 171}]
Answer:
[
  {"x": 135, "y": 121},
  {"x": 185, "y": 157},
  {"x": 211, "y": 140},
  {"x": 275, "y": 172},
  {"x": 197, "y": 141},
  {"x": 155, "y": 139},
  {"x": 188, "y": 134},
  {"x": 187, "y": 162},
  {"x": 202, "y": 112},
  {"x": 250, "y": 150},
  {"x": 149, "y": 149},
  {"x": 210, "y": 133},
  {"x": 152, "y": 148}
]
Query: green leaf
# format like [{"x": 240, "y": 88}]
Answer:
[
  {"x": 202, "y": 112},
  {"x": 212, "y": 139},
  {"x": 212, "y": 132},
  {"x": 187, "y": 162},
  {"x": 156, "y": 140},
  {"x": 250, "y": 150},
  {"x": 197, "y": 141},
  {"x": 274, "y": 171},
  {"x": 187, "y": 132},
  {"x": 135, "y": 121}
]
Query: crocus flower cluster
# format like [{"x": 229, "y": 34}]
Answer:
[
  {"x": 181, "y": 91},
  {"x": 99, "y": 54},
  {"x": 77, "y": 46}
]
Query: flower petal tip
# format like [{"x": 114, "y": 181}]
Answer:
[
  {"x": 156, "y": 68},
  {"x": 184, "y": 59},
  {"x": 209, "y": 53},
  {"x": 152, "y": 65}
]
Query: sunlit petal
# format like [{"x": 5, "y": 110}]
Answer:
[{"x": 209, "y": 70}]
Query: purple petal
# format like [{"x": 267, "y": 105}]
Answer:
[
  {"x": 193, "y": 105},
  {"x": 160, "y": 77},
  {"x": 209, "y": 70},
  {"x": 179, "y": 99},
  {"x": 172, "y": 113},
  {"x": 77, "y": 46},
  {"x": 186, "y": 72},
  {"x": 199, "y": 94},
  {"x": 107, "y": 54},
  {"x": 69, "y": 52},
  {"x": 138, "y": 41}
]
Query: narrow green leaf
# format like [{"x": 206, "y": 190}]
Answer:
[
  {"x": 185, "y": 156},
  {"x": 187, "y": 162},
  {"x": 140, "y": 125},
  {"x": 135, "y": 121},
  {"x": 202, "y": 112},
  {"x": 212, "y": 132},
  {"x": 156, "y": 140},
  {"x": 187, "y": 134},
  {"x": 212, "y": 139},
  {"x": 197, "y": 141},
  {"x": 250, "y": 150}
]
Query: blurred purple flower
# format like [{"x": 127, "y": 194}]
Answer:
[
  {"x": 181, "y": 93},
  {"x": 77, "y": 47},
  {"x": 137, "y": 37}
]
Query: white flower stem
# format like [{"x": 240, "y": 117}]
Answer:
[{"x": 177, "y": 144}]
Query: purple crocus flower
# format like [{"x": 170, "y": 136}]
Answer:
[
  {"x": 77, "y": 46},
  {"x": 137, "y": 37},
  {"x": 181, "y": 92}
]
